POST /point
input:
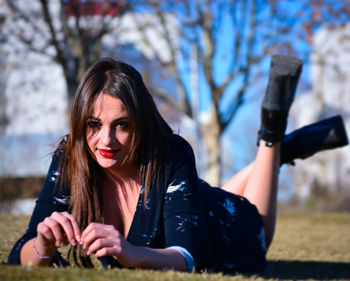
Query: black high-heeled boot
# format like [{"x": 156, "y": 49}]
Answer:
[
  {"x": 325, "y": 134},
  {"x": 279, "y": 96}
]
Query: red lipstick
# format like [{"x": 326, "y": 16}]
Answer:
[{"x": 108, "y": 153}]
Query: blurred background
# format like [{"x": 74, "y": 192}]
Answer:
[{"x": 206, "y": 64}]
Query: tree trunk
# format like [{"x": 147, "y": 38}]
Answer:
[{"x": 211, "y": 136}]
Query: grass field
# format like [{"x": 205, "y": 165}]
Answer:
[{"x": 306, "y": 247}]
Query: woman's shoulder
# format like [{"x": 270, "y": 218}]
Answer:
[
  {"x": 180, "y": 144},
  {"x": 180, "y": 151},
  {"x": 61, "y": 146},
  {"x": 62, "y": 142}
]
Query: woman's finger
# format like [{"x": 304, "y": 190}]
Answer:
[
  {"x": 76, "y": 237},
  {"x": 95, "y": 231},
  {"x": 91, "y": 230},
  {"x": 45, "y": 231},
  {"x": 57, "y": 231},
  {"x": 99, "y": 244},
  {"x": 68, "y": 224},
  {"x": 108, "y": 251},
  {"x": 75, "y": 224}
]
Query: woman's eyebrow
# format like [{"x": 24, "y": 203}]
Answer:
[
  {"x": 94, "y": 118},
  {"x": 123, "y": 118}
]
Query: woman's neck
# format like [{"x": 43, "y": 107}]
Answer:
[
  {"x": 120, "y": 194},
  {"x": 125, "y": 174}
]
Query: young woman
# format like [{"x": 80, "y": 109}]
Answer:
[{"x": 123, "y": 187}]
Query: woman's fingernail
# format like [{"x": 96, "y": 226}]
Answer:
[
  {"x": 73, "y": 242},
  {"x": 79, "y": 240}
]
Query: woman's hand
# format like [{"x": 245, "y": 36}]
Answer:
[
  {"x": 106, "y": 240},
  {"x": 56, "y": 231}
]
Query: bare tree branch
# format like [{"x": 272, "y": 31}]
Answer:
[
  {"x": 208, "y": 42},
  {"x": 55, "y": 43},
  {"x": 247, "y": 70},
  {"x": 173, "y": 63},
  {"x": 30, "y": 20},
  {"x": 178, "y": 107}
]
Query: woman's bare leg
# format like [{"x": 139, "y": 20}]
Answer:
[
  {"x": 238, "y": 182},
  {"x": 258, "y": 182},
  {"x": 261, "y": 188},
  {"x": 259, "y": 185}
]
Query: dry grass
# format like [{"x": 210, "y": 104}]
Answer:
[{"x": 306, "y": 246}]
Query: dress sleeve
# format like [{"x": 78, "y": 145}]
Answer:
[
  {"x": 50, "y": 200},
  {"x": 183, "y": 216}
]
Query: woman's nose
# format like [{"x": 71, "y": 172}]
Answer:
[{"x": 108, "y": 136}]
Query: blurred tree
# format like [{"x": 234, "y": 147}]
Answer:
[
  {"x": 218, "y": 46},
  {"x": 323, "y": 180},
  {"x": 223, "y": 45},
  {"x": 3, "y": 118},
  {"x": 69, "y": 31}
]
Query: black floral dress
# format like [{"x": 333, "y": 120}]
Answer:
[{"x": 222, "y": 232}]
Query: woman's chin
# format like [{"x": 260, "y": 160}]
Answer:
[{"x": 108, "y": 163}]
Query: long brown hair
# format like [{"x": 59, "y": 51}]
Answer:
[{"x": 149, "y": 143}]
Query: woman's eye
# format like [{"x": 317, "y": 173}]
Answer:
[
  {"x": 123, "y": 125},
  {"x": 93, "y": 124}
]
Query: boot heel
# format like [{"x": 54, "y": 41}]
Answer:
[{"x": 326, "y": 134}]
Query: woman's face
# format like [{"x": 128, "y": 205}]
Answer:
[{"x": 109, "y": 132}]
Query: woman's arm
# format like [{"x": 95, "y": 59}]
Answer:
[
  {"x": 105, "y": 240},
  {"x": 49, "y": 201},
  {"x": 184, "y": 223},
  {"x": 160, "y": 259},
  {"x": 40, "y": 257},
  {"x": 60, "y": 229}
]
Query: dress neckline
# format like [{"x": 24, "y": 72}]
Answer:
[{"x": 133, "y": 221}]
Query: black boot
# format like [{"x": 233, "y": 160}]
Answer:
[
  {"x": 325, "y": 134},
  {"x": 283, "y": 79}
]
